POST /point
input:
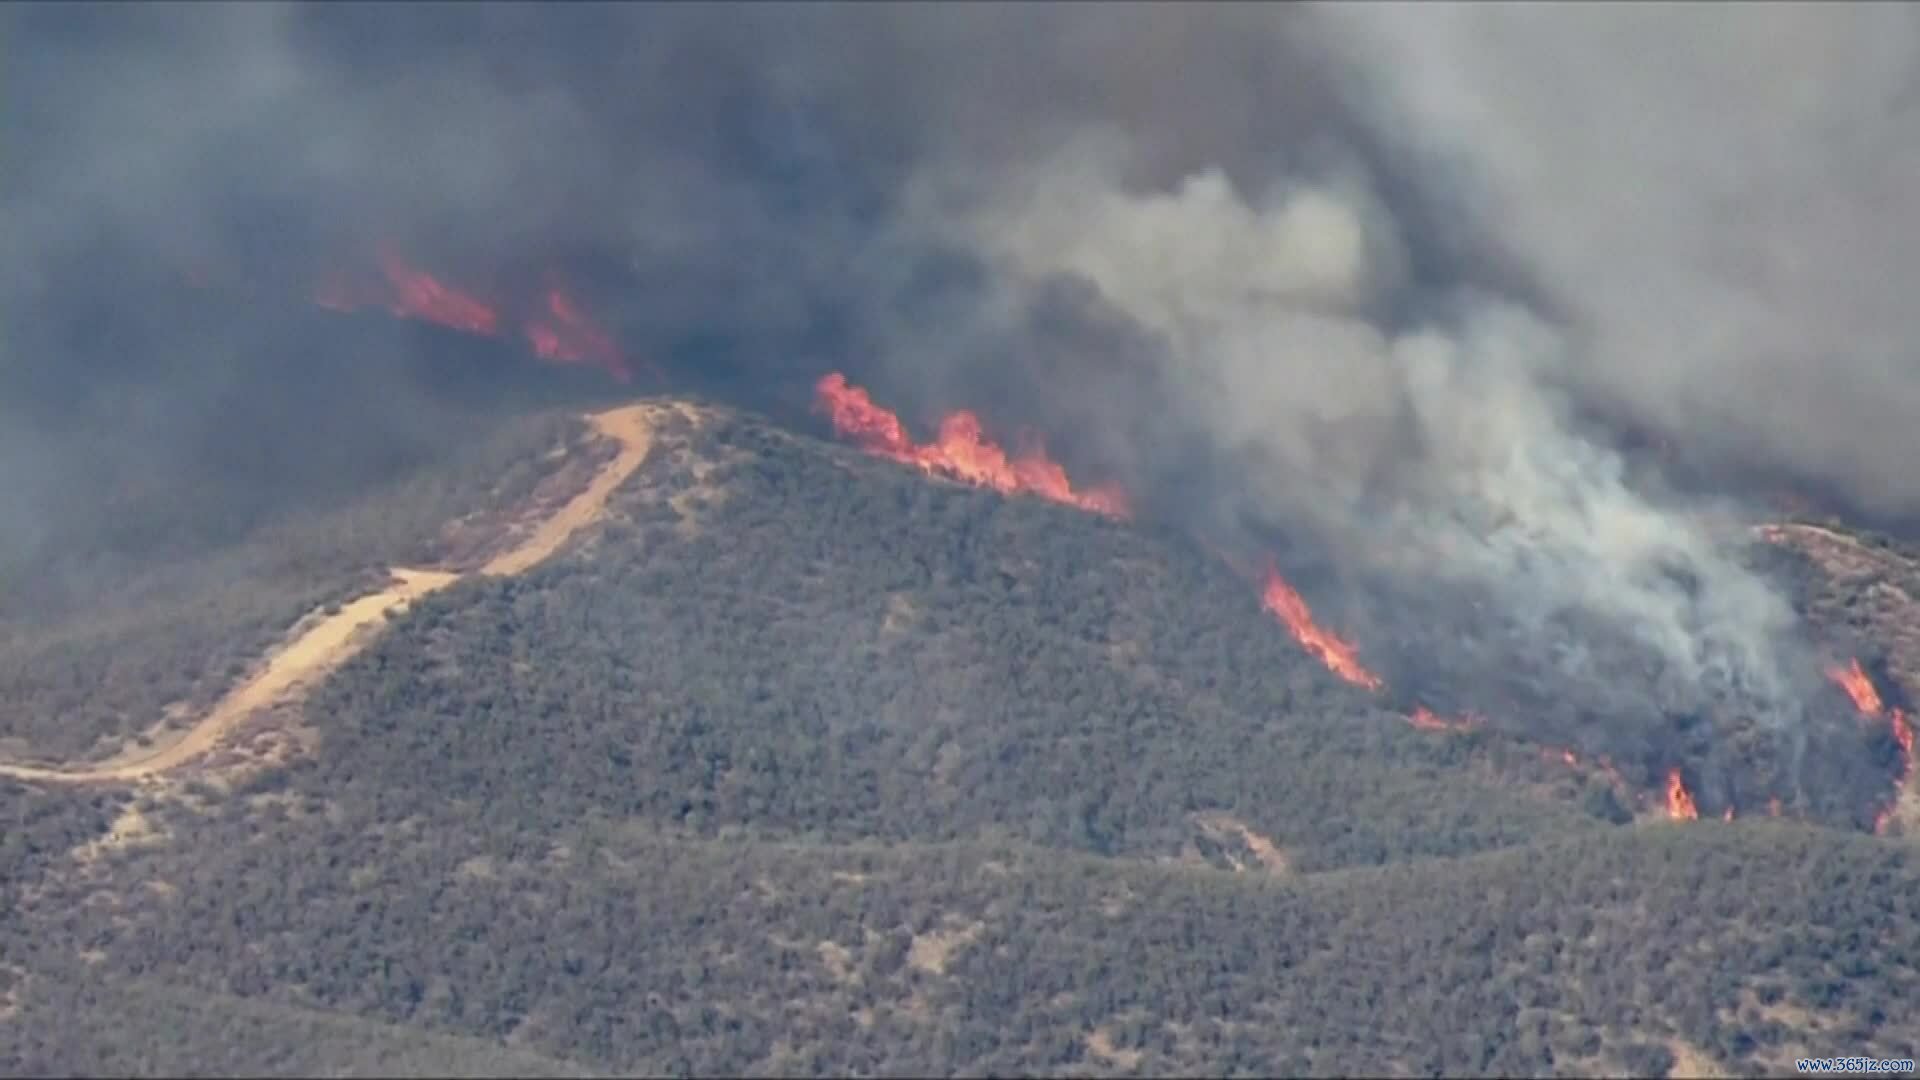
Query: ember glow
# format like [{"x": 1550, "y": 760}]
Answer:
[
  {"x": 960, "y": 450},
  {"x": 1426, "y": 720},
  {"x": 1603, "y": 766},
  {"x": 1680, "y": 805},
  {"x": 1335, "y": 652}
]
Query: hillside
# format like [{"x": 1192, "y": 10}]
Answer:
[{"x": 793, "y": 761}]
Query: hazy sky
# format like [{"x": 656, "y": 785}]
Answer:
[{"x": 1364, "y": 266}]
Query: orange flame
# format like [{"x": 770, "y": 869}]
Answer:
[
  {"x": 1425, "y": 719},
  {"x": 961, "y": 451},
  {"x": 1335, "y": 652},
  {"x": 1902, "y": 734},
  {"x": 1773, "y": 806},
  {"x": 1680, "y": 806},
  {"x": 1853, "y": 679}
]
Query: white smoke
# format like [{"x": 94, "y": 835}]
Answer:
[
  {"x": 1697, "y": 215},
  {"x": 1442, "y": 448},
  {"x": 1720, "y": 195}
]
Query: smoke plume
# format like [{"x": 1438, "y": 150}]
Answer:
[{"x": 1361, "y": 276}]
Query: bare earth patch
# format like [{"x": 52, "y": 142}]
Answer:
[
  {"x": 11, "y": 989},
  {"x": 1254, "y": 851},
  {"x": 1890, "y": 612},
  {"x": 1691, "y": 1062},
  {"x": 1100, "y": 1045},
  {"x": 931, "y": 951},
  {"x": 322, "y": 641},
  {"x": 838, "y": 960},
  {"x": 131, "y": 829}
]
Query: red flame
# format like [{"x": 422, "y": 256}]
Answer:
[
  {"x": 418, "y": 295},
  {"x": 564, "y": 335},
  {"x": 1335, "y": 652},
  {"x": 1854, "y": 681},
  {"x": 1680, "y": 806},
  {"x": 560, "y": 332},
  {"x": 961, "y": 451}
]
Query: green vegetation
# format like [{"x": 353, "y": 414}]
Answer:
[
  {"x": 632, "y": 952},
  {"x": 804, "y": 765},
  {"x": 100, "y": 639}
]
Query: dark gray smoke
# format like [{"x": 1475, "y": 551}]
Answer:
[{"x": 1362, "y": 269}]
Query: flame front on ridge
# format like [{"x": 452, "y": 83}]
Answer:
[{"x": 960, "y": 451}]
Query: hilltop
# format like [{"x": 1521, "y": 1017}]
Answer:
[{"x": 787, "y": 759}]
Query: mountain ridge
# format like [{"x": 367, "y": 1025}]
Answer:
[{"x": 794, "y": 762}]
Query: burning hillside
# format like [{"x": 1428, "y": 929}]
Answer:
[
  {"x": 556, "y": 326},
  {"x": 961, "y": 452}
]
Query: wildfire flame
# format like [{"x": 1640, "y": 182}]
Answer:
[
  {"x": 1902, "y": 734},
  {"x": 1680, "y": 805},
  {"x": 1853, "y": 679},
  {"x": 559, "y": 332},
  {"x": 418, "y": 295},
  {"x": 563, "y": 334},
  {"x": 960, "y": 451},
  {"x": 1335, "y": 652}
]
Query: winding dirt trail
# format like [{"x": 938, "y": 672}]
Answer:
[{"x": 330, "y": 640}]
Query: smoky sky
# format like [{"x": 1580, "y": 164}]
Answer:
[{"x": 1352, "y": 272}]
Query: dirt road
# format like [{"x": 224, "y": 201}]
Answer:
[{"x": 321, "y": 642}]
